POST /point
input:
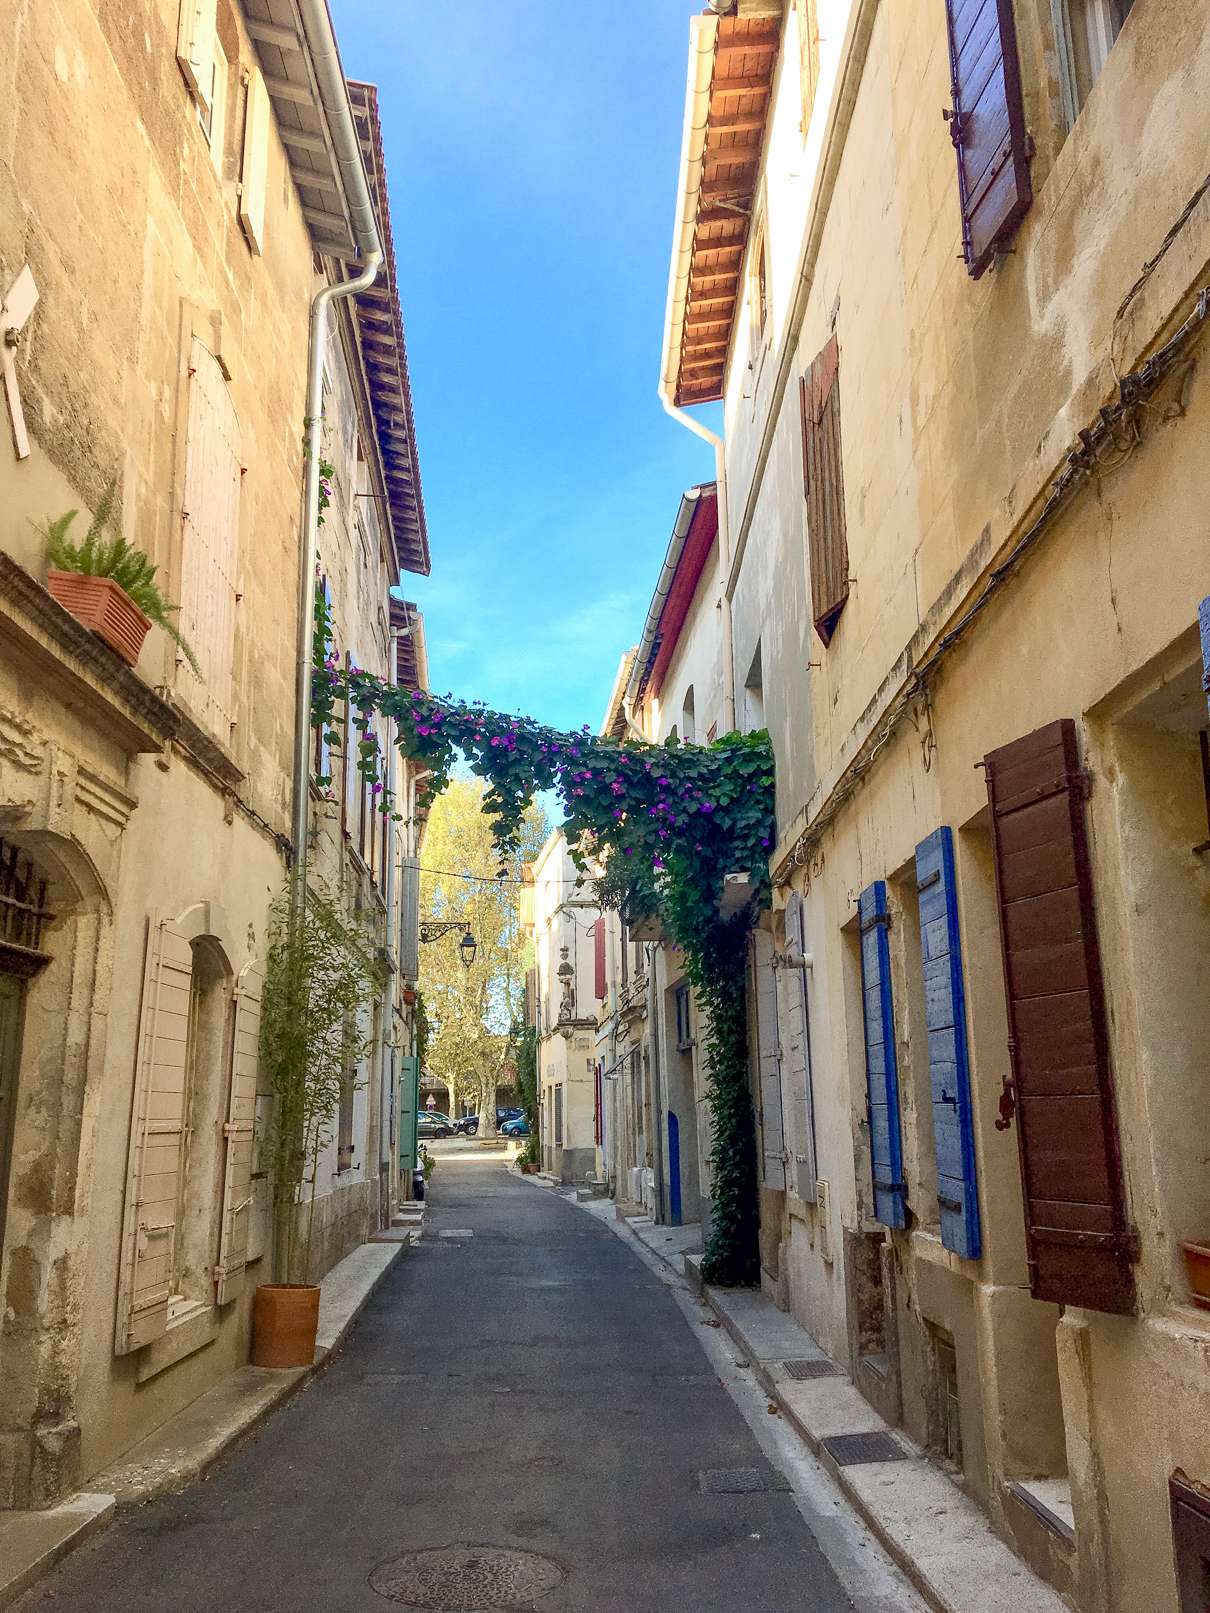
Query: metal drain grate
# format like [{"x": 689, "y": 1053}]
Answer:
[
  {"x": 738, "y": 1481},
  {"x": 804, "y": 1370},
  {"x": 851, "y": 1450},
  {"x": 393, "y": 1377},
  {"x": 467, "y": 1579}
]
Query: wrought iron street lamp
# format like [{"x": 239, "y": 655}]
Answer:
[{"x": 435, "y": 929}]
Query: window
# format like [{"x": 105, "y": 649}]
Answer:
[
  {"x": 823, "y": 485},
  {"x": 754, "y": 695},
  {"x": 196, "y": 46},
  {"x": 684, "y": 1021},
  {"x": 345, "y": 1147},
  {"x": 210, "y": 516},
  {"x": 205, "y": 1083},
  {"x": 758, "y": 290},
  {"x": 213, "y": 118},
  {"x": 808, "y": 57},
  {"x": 1085, "y": 31},
  {"x": 688, "y": 732},
  {"x": 559, "y": 1116}
]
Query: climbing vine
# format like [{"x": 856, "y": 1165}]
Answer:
[{"x": 656, "y": 827}]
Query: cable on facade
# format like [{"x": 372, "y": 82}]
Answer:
[{"x": 1085, "y": 460}]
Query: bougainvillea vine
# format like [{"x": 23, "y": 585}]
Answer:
[{"x": 656, "y": 827}]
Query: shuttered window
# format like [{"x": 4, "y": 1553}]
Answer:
[
  {"x": 238, "y": 1137},
  {"x": 768, "y": 1060},
  {"x": 1079, "y": 1243},
  {"x": 882, "y": 1070},
  {"x": 210, "y": 544},
  {"x": 945, "y": 1021},
  {"x": 1191, "y": 1544},
  {"x": 254, "y": 166},
  {"x": 797, "y": 1075},
  {"x": 987, "y": 126},
  {"x": 823, "y": 484},
  {"x": 157, "y": 1139},
  {"x": 1203, "y": 616},
  {"x": 195, "y": 48},
  {"x": 599, "y": 982}
]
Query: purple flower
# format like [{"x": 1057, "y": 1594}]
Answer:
[
  {"x": 707, "y": 806},
  {"x": 764, "y": 842}
]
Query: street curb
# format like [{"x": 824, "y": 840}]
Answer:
[
  {"x": 83, "y": 1516},
  {"x": 912, "y": 1566}
]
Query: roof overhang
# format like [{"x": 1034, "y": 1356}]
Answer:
[
  {"x": 287, "y": 54},
  {"x": 411, "y": 651},
  {"x": 732, "y": 61},
  {"x": 614, "y": 725},
  {"x": 680, "y": 587},
  {"x": 379, "y": 320}
]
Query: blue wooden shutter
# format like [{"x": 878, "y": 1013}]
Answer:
[
  {"x": 1203, "y": 616},
  {"x": 949, "y": 1071},
  {"x": 882, "y": 1070}
]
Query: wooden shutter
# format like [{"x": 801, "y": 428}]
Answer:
[
  {"x": 808, "y": 52},
  {"x": 1080, "y": 1246},
  {"x": 409, "y": 919},
  {"x": 210, "y": 542},
  {"x": 157, "y": 1140},
  {"x": 238, "y": 1139},
  {"x": 598, "y": 960},
  {"x": 409, "y": 1100},
  {"x": 768, "y": 1063},
  {"x": 254, "y": 168},
  {"x": 945, "y": 1019},
  {"x": 797, "y": 1077},
  {"x": 823, "y": 485},
  {"x": 323, "y": 746},
  {"x": 882, "y": 1070},
  {"x": 195, "y": 42},
  {"x": 987, "y": 126},
  {"x": 531, "y": 998},
  {"x": 1203, "y": 616},
  {"x": 1191, "y": 1544}
]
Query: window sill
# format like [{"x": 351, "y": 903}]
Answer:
[{"x": 195, "y": 1325}]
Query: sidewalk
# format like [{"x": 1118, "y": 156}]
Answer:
[
  {"x": 941, "y": 1539},
  {"x": 184, "y": 1447}
]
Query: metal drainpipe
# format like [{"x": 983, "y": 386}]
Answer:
[
  {"x": 387, "y": 1072},
  {"x": 657, "y": 1104},
  {"x": 334, "y": 98}
]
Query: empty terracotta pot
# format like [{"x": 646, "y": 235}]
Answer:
[
  {"x": 285, "y": 1320},
  {"x": 1197, "y": 1269},
  {"x": 105, "y": 609}
]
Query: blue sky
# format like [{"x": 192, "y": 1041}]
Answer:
[{"x": 532, "y": 157}]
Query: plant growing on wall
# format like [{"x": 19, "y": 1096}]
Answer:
[
  {"x": 321, "y": 978},
  {"x": 662, "y": 826},
  {"x": 102, "y": 553}
]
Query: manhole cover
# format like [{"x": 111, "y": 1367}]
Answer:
[
  {"x": 738, "y": 1481},
  {"x": 805, "y": 1370},
  {"x": 466, "y": 1579},
  {"x": 851, "y": 1450}
]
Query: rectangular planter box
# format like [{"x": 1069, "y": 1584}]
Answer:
[{"x": 107, "y": 610}]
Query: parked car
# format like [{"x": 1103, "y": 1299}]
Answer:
[
  {"x": 518, "y": 1126},
  {"x": 468, "y": 1126},
  {"x": 432, "y": 1123}
]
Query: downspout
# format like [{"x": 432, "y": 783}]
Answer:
[
  {"x": 387, "y": 1074},
  {"x": 334, "y": 98},
  {"x": 703, "y": 37}
]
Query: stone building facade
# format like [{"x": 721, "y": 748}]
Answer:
[
  {"x": 167, "y": 198},
  {"x": 960, "y": 366}
]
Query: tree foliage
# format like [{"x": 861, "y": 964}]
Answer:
[{"x": 471, "y": 1011}]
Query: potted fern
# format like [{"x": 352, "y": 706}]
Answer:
[{"x": 108, "y": 585}]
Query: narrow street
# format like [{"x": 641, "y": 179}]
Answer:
[{"x": 529, "y": 1385}]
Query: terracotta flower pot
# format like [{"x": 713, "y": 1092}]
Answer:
[
  {"x": 285, "y": 1320},
  {"x": 105, "y": 609},
  {"x": 409, "y": 996},
  {"x": 1197, "y": 1269}
]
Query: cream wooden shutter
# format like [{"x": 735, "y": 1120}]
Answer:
[
  {"x": 195, "y": 47},
  {"x": 769, "y": 1056},
  {"x": 210, "y": 543},
  {"x": 238, "y": 1137},
  {"x": 157, "y": 1140},
  {"x": 254, "y": 171}
]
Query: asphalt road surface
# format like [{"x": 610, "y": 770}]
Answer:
[{"x": 533, "y": 1389}]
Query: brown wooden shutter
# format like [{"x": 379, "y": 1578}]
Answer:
[
  {"x": 1080, "y": 1245},
  {"x": 598, "y": 958},
  {"x": 1191, "y": 1543},
  {"x": 823, "y": 484},
  {"x": 987, "y": 126},
  {"x": 238, "y": 1140},
  {"x": 157, "y": 1140}
]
